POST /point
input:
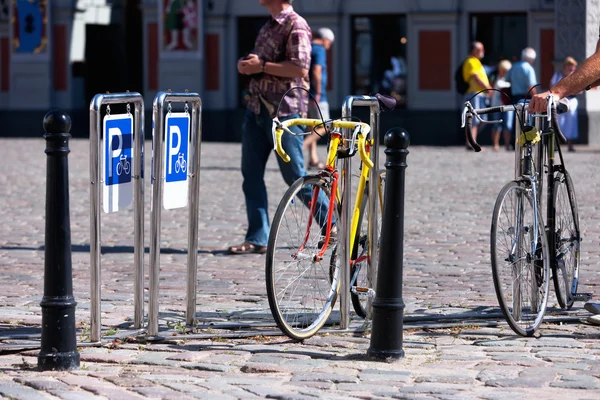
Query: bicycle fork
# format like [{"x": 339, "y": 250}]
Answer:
[
  {"x": 532, "y": 233},
  {"x": 313, "y": 206}
]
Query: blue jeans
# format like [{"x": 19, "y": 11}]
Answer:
[{"x": 257, "y": 145}]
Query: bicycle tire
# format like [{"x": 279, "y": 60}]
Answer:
[
  {"x": 567, "y": 238},
  {"x": 288, "y": 263},
  {"x": 362, "y": 304},
  {"x": 522, "y": 292}
]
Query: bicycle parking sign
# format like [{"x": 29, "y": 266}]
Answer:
[
  {"x": 118, "y": 162},
  {"x": 176, "y": 165}
]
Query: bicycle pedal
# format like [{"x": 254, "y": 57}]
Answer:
[
  {"x": 322, "y": 242},
  {"x": 585, "y": 297},
  {"x": 362, "y": 291}
]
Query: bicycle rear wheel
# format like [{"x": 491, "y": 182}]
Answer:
[
  {"x": 300, "y": 291},
  {"x": 567, "y": 239},
  {"x": 361, "y": 262},
  {"x": 520, "y": 259}
]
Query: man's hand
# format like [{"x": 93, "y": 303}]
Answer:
[
  {"x": 249, "y": 65},
  {"x": 539, "y": 103}
]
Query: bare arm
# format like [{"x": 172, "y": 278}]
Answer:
[
  {"x": 587, "y": 75},
  {"x": 480, "y": 81},
  {"x": 285, "y": 69}
]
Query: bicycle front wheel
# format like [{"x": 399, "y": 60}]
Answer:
[
  {"x": 566, "y": 238},
  {"x": 300, "y": 286},
  {"x": 520, "y": 258}
]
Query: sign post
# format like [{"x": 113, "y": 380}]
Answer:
[
  {"x": 175, "y": 179},
  {"x": 116, "y": 179},
  {"x": 373, "y": 230}
]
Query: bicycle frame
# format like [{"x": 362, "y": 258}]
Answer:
[
  {"x": 362, "y": 184},
  {"x": 331, "y": 173}
]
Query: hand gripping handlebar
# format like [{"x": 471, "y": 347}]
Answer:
[
  {"x": 361, "y": 130},
  {"x": 553, "y": 109}
]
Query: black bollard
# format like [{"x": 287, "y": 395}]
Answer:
[
  {"x": 388, "y": 306},
  {"x": 59, "y": 342}
]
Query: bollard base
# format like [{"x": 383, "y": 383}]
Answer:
[
  {"x": 385, "y": 354},
  {"x": 58, "y": 361}
]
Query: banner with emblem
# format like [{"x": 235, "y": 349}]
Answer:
[
  {"x": 180, "y": 26},
  {"x": 30, "y": 26}
]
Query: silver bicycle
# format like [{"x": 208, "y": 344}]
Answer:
[{"x": 523, "y": 249}]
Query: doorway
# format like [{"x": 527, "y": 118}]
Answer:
[
  {"x": 248, "y": 28},
  {"x": 114, "y": 52}
]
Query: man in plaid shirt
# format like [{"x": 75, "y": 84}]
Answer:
[{"x": 280, "y": 60}]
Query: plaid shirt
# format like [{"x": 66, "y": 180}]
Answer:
[{"x": 287, "y": 37}]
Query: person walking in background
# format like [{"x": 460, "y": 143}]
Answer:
[
  {"x": 280, "y": 60},
  {"x": 474, "y": 74},
  {"x": 322, "y": 40},
  {"x": 568, "y": 120},
  {"x": 522, "y": 75},
  {"x": 499, "y": 99}
]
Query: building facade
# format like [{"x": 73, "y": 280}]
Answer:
[{"x": 60, "y": 53}]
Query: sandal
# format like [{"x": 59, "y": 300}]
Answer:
[
  {"x": 247, "y": 248},
  {"x": 318, "y": 165}
]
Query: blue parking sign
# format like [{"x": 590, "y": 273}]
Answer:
[
  {"x": 118, "y": 161},
  {"x": 176, "y": 161},
  {"x": 118, "y": 149}
]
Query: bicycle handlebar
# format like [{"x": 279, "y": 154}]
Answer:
[
  {"x": 553, "y": 110},
  {"x": 387, "y": 103},
  {"x": 360, "y": 131}
]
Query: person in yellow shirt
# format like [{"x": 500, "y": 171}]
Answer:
[{"x": 474, "y": 74}]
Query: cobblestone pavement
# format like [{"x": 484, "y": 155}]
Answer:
[{"x": 456, "y": 343}]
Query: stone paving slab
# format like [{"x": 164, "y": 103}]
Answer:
[{"x": 456, "y": 344}]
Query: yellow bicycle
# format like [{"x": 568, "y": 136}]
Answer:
[{"x": 302, "y": 268}]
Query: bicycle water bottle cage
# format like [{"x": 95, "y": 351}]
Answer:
[{"x": 529, "y": 134}]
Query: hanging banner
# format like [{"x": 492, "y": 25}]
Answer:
[
  {"x": 30, "y": 26},
  {"x": 180, "y": 26}
]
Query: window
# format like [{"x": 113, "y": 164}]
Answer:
[{"x": 379, "y": 57}]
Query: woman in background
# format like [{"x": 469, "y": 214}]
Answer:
[
  {"x": 568, "y": 120},
  {"x": 507, "y": 116}
]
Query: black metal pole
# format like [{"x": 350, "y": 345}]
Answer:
[
  {"x": 388, "y": 306},
  {"x": 59, "y": 342}
]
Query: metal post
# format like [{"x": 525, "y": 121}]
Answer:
[
  {"x": 96, "y": 197},
  {"x": 194, "y": 196},
  {"x": 158, "y": 138},
  {"x": 59, "y": 343},
  {"x": 344, "y": 251},
  {"x": 388, "y": 306}
]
